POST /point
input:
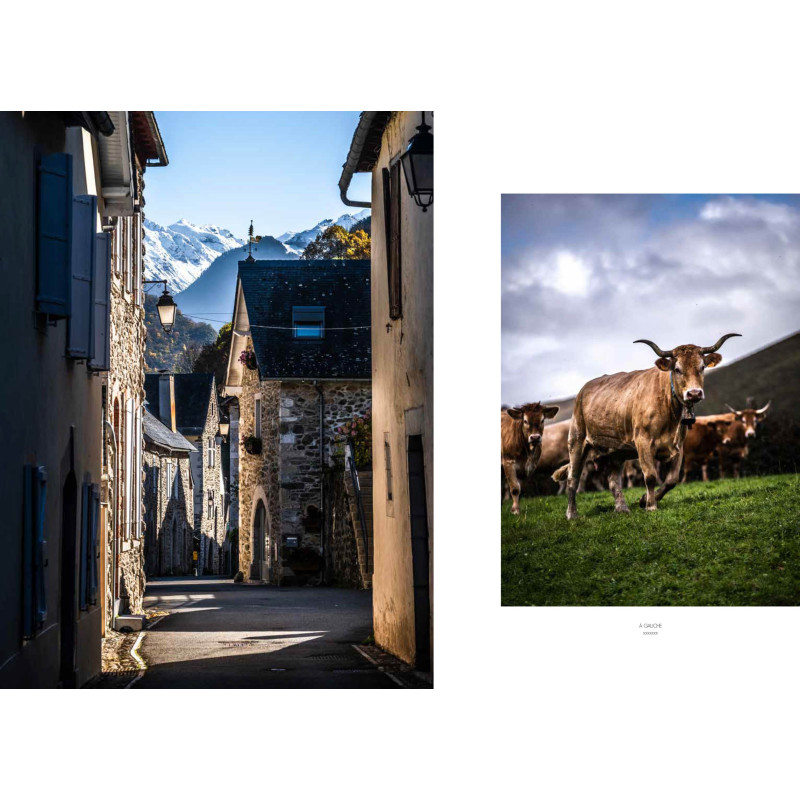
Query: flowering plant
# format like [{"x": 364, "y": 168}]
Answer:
[
  {"x": 359, "y": 429},
  {"x": 248, "y": 358}
]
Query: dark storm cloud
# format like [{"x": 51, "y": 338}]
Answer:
[{"x": 584, "y": 276}]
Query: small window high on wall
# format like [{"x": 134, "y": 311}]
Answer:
[{"x": 308, "y": 322}]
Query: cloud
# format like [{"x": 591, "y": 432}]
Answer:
[{"x": 584, "y": 276}]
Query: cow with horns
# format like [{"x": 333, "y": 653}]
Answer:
[
  {"x": 521, "y": 441},
  {"x": 645, "y": 413},
  {"x": 742, "y": 431}
]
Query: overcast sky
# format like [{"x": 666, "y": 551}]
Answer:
[{"x": 585, "y": 275}]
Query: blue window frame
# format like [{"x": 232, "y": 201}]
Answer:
[{"x": 308, "y": 322}]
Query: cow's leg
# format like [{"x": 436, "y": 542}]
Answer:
[
  {"x": 673, "y": 473},
  {"x": 704, "y": 467},
  {"x": 648, "y": 462},
  {"x": 736, "y": 469},
  {"x": 562, "y": 487},
  {"x": 577, "y": 458},
  {"x": 510, "y": 469},
  {"x": 615, "y": 484}
]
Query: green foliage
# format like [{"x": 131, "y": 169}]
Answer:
[
  {"x": 363, "y": 225},
  {"x": 214, "y": 356},
  {"x": 359, "y": 429},
  {"x": 336, "y": 242},
  {"x": 175, "y": 351},
  {"x": 723, "y": 543}
]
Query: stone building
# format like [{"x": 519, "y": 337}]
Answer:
[
  {"x": 62, "y": 176},
  {"x": 194, "y": 396},
  {"x": 402, "y": 385},
  {"x": 135, "y": 145},
  {"x": 169, "y": 498},
  {"x": 304, "y": 326}
]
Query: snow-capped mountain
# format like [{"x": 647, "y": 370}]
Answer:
[
  {"x": 182, "y": 252},
  {"x": 297, "y": 241}
]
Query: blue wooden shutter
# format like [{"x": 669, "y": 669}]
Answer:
[
  {"x": 101, "y": 360},
  {"x": 34, "y": 553},
  {"x": 54, "y": 235},
  {"x": 94, "y": 550},
  {"x": 80, "y": 342},
  {"x": 84, "y": 552}
]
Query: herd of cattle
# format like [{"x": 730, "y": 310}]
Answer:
[{"x": 625, "y": 426}]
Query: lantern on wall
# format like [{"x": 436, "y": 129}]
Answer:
[
  {"x": 417, "y": 164},
  {"x": 166, "y": 310}
]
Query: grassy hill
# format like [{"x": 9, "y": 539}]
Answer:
[
  {"x": 725, "y": 543},
  {"x": 772, "y": 373},
  {"x": 177, "y": 350}
]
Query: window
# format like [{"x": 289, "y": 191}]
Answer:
[
  {"x": 90, "y": 552},
  {"x": 80, "y": 336},
  {"x": 127, "y": 254},
  {"x": 211, "y": 450},
  {"x": 101, "y": 323},
  {"x": 137, "y": 264},
  {"x": 210, "y": 503},
  {"x": 117, "y": 235},
  {"x": 54, "y": 235},
  {"x": 392, "y": 191},
  {"x": 308, "y": 322},
  {"x": 257, "y": 417},
  {"x": 34, "y": 559},
  {"x": 175, "y": 482}
]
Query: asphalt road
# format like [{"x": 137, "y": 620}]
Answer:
[{"x": 221, "y": 635}]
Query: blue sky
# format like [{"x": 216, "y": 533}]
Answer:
[
  {"x": 585, "y": 275},
  {"x": 279, "y": 168}
]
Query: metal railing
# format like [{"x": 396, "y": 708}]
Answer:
[{"x": 351, "y": 461}]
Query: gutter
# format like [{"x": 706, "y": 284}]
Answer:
[
  {"x": 349, "y": 166},
  {"x": 113, "y": 441},
  {"x": 102, "y": 121}
]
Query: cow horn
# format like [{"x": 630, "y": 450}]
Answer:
[
  {"x": 764, "y": 410},
  {"x": 656, "y": 348},
  {"x": 719, "y": 344},
  {"x": 730, "y": 408}
]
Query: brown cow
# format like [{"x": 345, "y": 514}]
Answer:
[
  {"x": 521, "y": 439},
  {"x": 733, "y": 452},
  {"x": 555, "y": 453},
  {"x": 639, "y": 412},
  {"x": 703, "y": 442}
]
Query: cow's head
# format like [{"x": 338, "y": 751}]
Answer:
[
  {"x": 687, "y": 363},
  {"x": 722, "y": 428},
  {"x": 750, "y": 417},
  {"x": 532, "y": 416}
]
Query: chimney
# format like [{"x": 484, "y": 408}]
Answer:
[{"x": 166, "y": 401}]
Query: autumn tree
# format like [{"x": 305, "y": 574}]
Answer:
[
  {"x": 336, "y": 242},
  {"x": 214, "y": 357}
]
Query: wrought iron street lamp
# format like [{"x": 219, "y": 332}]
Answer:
[
  {"x": 166, "y": 307},
  {"x": 224, "y": 426},
  {"x": 417, "y": 164}
]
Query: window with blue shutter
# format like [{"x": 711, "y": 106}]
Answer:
[
  {"x": 54, "y": 235},
  {"x": 80, "y": 342},
  {"x": 34, "y": 554},
  {"x": 308, "y": 322},
  {"x": 101, "y": 325},
  {"x": 89, "y": 553}
]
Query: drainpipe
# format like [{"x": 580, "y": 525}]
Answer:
[
  {"x": 321, "y": 471},
  {"x": 113, "y": 441},
  {"x": 349, "y": 166}
]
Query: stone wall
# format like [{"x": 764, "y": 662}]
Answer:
[
  {"x": 125, "y": 381},
  {"x": 341, "y": 562},
  {"x": 258, "y": 474},
  {"x": 209, "y": 521},
  {"x": 169, "y": 521},
  {"x": 300, "y": 469}
]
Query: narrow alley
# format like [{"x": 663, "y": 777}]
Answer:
[{"x": 221, "y": 635}]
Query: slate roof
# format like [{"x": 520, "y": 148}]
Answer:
[
  {"x": 192, "y": 396},
  {"x": 159, "y": 434},
  {"x": 272, "y": 288}
]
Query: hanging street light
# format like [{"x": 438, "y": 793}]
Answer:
[
  {"x": 417, "y": 164},
  {"x": 224, "y": 426},
  {"x": 166, "y": 308}
]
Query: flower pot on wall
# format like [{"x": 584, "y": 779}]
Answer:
[{"x": 248, "y": 358}]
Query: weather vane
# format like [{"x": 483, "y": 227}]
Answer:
[{"x": 250, "y": 239}]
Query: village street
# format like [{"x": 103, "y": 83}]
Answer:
[{"x": 221, "y": 635}]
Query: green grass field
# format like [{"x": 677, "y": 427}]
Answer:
[{"x": 722, "y": 543}]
